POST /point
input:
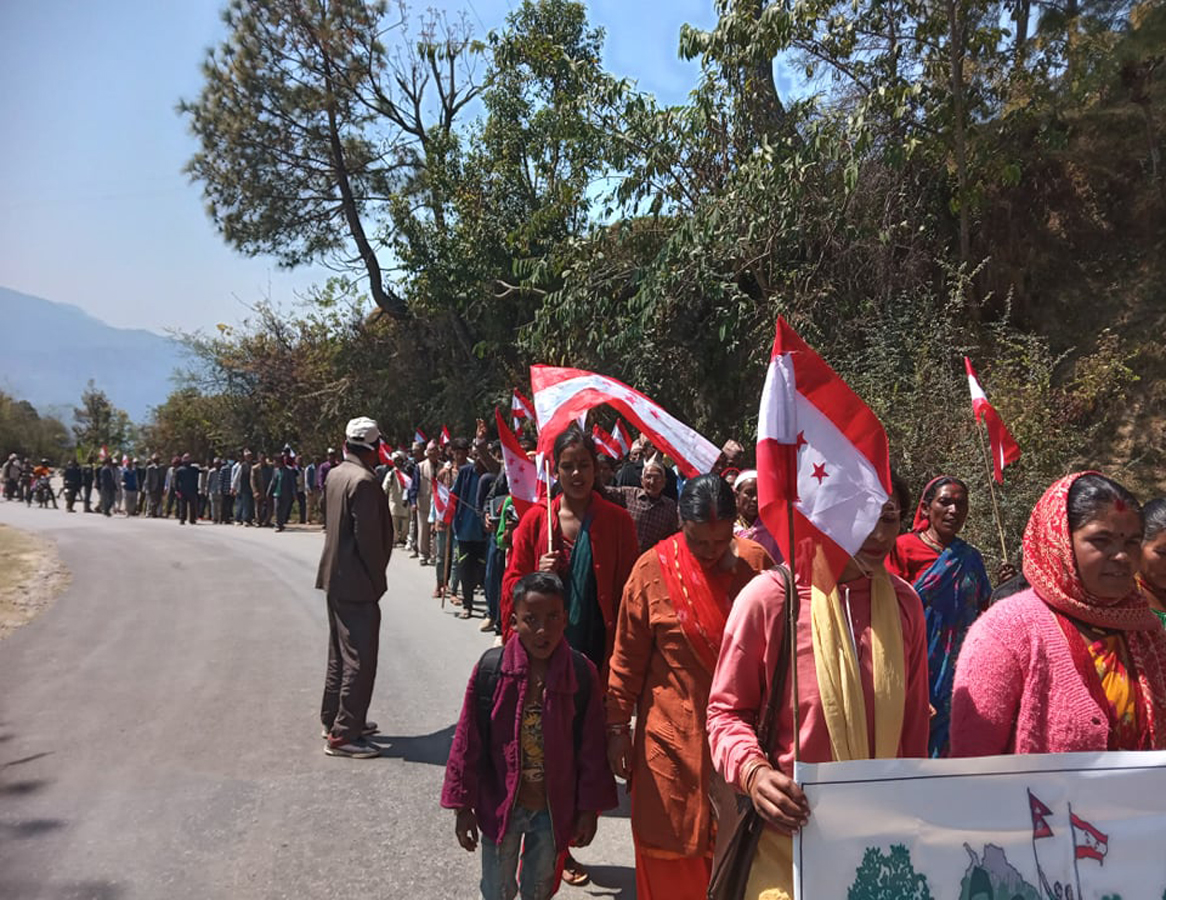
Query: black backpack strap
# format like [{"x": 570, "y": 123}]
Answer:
[
  {"x": 583, "y": 695},
  {"x": 486, "y": 679}
]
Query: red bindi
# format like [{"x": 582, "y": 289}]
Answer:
[{"x": 1119, "y": 505}]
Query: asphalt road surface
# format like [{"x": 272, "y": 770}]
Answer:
[{"x": 159, "y": 735}]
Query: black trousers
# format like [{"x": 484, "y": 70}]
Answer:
[
  {"x": 283, "y": 511},
  {"x": 187, "y": 507},
  {"x": 472, "y": 563},
  {"x": 350, "y": 673}
]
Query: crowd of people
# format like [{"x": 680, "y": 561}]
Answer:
[{"x": 639, "y": 622}]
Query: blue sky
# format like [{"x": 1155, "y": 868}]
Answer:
[{"x": 94, "y": 210}]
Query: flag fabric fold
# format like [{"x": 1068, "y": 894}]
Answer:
[
  {"x": 605, "y": 443},
  {"x": 621, "y": 435},
  {"x": 561, "y": 395},
  {"x": 444, "y": 502},
  {"x": 1004, "y": 449},
  {"x": 521, "y": 473},
  {"x": 821, "y": 448},
  {"x": 522, "y": 409}
]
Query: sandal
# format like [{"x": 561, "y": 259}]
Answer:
[
  {"x": 455, "y": 600},
  {"x": 575, "y": 874},
  {"x": 437, "y": 592},
  {"x": 465, "y": 614}
]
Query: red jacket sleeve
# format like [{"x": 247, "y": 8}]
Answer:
[{"x": 460, "y": 787}]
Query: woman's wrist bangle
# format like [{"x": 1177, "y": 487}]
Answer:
[{"x": 749, "y": 768}]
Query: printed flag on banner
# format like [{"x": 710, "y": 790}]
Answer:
[
  {"x": 1038, "y": 812},
  {"x": 605, "y": 443},
  {"x": 822, "y": 449},
  {"x": 522, "y": 474},
  {"x": 1004, "y": 448},
  {"x": 521, "y": 408},
  {"x": 444, "y": 502},
  {"x": 419, "y": 437},
  {"x": 561, "y": 395},
  {"x": 1090, "y": 841},
  {"x": 445, "y": 438},
  {"x": 621, "y": 435}
]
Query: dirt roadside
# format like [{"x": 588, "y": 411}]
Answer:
[{"x": 31, "y": 577}]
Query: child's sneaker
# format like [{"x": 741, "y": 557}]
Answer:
[{"x": 359, "y": 749}]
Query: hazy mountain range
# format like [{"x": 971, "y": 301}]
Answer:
[{"x": 48, "y": 351}]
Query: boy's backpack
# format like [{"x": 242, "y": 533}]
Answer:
[{"x": 489, "y": 676}]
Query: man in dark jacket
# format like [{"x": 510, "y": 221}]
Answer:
[
  {"x": 282, "y": 490},
  {"x": 106, "y": 477},
  {"x": 155, "y": 481},
  {"x": 353, "y": 574},
  {"x": 89, "y": 473},
  {"x": 187, "y": 489},
  {"x": 72, "y": 480}
]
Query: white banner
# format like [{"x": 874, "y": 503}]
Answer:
[{"x": 1070, "y": 826}]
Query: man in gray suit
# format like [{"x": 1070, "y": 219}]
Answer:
[{"x": 353, "y": 574}]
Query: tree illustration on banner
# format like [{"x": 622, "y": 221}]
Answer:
[{"x": 888, "y": 877}]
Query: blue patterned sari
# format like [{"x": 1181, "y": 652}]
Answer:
[{"x": 954, "y": 590}]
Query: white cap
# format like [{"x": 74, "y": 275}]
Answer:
[
  {"x": 362, "y": 432},
  {"x": 397, "y": 454},
  {"x": 743, "y": 476}
]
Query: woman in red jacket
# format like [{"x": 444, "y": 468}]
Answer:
[{"x": 591, "y": 545}]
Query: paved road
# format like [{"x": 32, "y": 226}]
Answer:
[{"x": 159, "y": 734}]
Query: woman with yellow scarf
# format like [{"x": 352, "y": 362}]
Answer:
[{"x": 878, "y": 709}]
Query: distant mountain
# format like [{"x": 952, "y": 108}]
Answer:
[{"x": 48, "y": 351}]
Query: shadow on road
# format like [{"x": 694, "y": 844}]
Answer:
[
  {"x": 28, "y": 828},
  {"x": 610, "y": 881},
  {"x": 20, "y": 788},
  {"x": 433, "y": 749},
  {"x": 79, "y": 890}
]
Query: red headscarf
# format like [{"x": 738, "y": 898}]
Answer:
[
  {"x": 921, "y": 522},
  {"x": 1052, "y": 571}
]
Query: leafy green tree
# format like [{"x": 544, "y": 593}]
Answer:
[
  {"x": 24, "y": 432},
  {"x": 888, "y": 877},
  {"x": 100, "y": 424}
]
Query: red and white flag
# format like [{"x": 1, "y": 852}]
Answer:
[
  {"x": 444, "y": 502},
  {"x": 385, "y": 453},
  {"x": 562, "y": 395},
  {"x": 445, "y": 439},
  {"x": 405, "y": 480},
  {"x": 125, "y": 460},
  {"x": 605, "y": 443},
  {"x": 621, "y": 435},
  {"x": 1004, "y": 448},
  {"x": 104, "y": 453},
  {"x": 522, "y": 409},
  {"x": 522, "y": 474},
  {"x": 1037, "y": 813},
  {"x": 1090, "y": 841},
  {"x": 419, "y": 437},
  {"x": 822, "y": 449}
]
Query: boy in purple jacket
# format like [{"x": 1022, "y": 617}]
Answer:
[{"x": 529, "y": 767}]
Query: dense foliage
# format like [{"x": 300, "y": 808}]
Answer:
[{"x": 967, "y": 177}]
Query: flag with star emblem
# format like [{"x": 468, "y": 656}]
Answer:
[
  {"x": 562, "y": 395},
  {"x": 822, "y": 451},
  {"x": 522, "y": 474}
]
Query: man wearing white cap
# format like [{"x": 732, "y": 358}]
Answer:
[{"x": 353, "y": 574}]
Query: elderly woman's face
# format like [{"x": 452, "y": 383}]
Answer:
[
  {"x": 1107, "y": 551},
  {"x": 654, "y": 479},
  {"x": 747, "y": 499}
]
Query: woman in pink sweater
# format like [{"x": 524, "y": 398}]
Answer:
[{"x": 1077, "y": 661}]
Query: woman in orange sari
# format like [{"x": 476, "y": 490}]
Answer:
[{"x": 668, "y": 635}]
